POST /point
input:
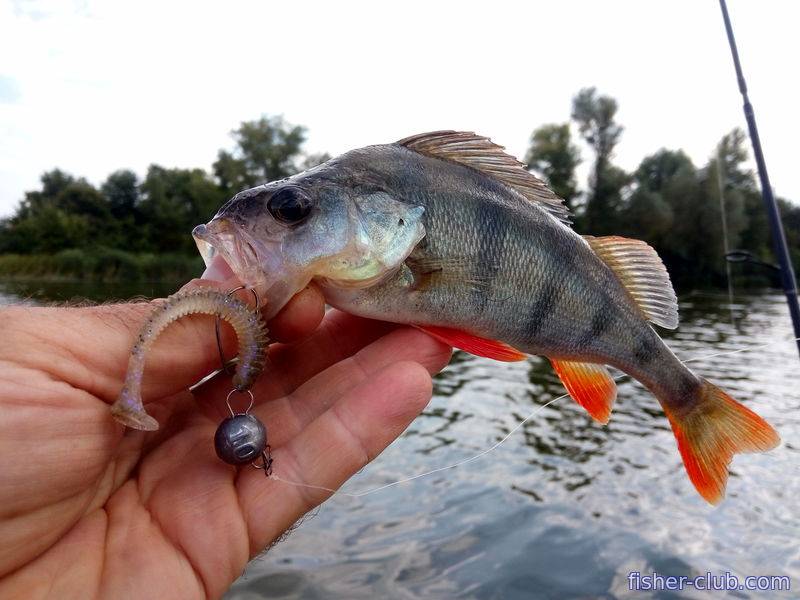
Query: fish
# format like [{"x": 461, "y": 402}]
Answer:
[
  {"x": 447, "y": 232},
  {"x": 251, "y": 332}
]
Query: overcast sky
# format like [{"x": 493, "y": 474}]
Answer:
[{"x": 92, "y": 87}]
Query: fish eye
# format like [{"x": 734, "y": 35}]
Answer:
[{"x": 289, "y": 205}]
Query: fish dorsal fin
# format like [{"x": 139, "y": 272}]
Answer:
[
  {"x": 642, "y": 273},
  {"x": 481, "y": 154}
]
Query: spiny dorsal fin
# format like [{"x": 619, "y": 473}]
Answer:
[
  {"x": 481, "y": 154},
  {"x": 642, "y": 273}
]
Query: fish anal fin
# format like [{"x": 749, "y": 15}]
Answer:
[
  {"x": 642, "y": 274},
  {"x": 474, "y": 344},
  {"x": 483, "y": 155},
  {"x": 714, "y": 429},
  {"x": 590, "y": 385}
]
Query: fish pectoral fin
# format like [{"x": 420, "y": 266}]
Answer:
[
  {"x": 473, "y": 344},
  {"x": 457, "y": 272},
  {"x": 590, "y": 385},
  {"x": 642, "y": 274}
]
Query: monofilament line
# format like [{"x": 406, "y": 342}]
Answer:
[
  {"x": 432, "y": 471},
  {"x": 499, "y": 443}
]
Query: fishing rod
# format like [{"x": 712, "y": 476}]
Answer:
[{"x": 778, "y": 236}]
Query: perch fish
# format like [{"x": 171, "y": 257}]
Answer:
[{"x": 446, "y": 232}]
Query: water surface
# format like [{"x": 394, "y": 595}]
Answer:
[{"x": 565, "y": 508}]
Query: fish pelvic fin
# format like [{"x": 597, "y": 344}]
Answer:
[
  {"x": 482, "y": 154},
  {"x": 711, "y": 431},
  {"x": 590, "y": 385},
  {"x": 642, "y": 274},
  {"x": 473, "y": 344}
]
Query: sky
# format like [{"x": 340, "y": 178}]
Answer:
[{"x": 92, "y": 87}]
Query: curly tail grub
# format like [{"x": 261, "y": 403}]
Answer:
[{"x": 248, "y": 325}]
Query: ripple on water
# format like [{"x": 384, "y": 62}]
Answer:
[{"x": 565, "y": 507}]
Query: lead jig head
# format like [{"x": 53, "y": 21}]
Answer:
[{"x": 242, "y": 438}]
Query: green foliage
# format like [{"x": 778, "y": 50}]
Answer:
[
  {"x": 595, "y": 118},
  {"x": 267, "y": 149},
  {"x": 134, "y": 229},
  {"x": 140, "y": 230},
  {"x": 101, "y": 264},
  {"x": 172, "y": 202},
  {"x": 553, "y": 155},
  {"x": 122, "y": 191}
]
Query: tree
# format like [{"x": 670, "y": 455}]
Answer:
[
  {"x": 650, "y": 210},
  {"x": 173, "y": 202},
  {"x": 121, "y": 188},
  {"x": 595, "y": 118},
  {"x": 54, "y": 182},
  {"x": 553, "y": 155},
  {"x": 266, "y": 149}
]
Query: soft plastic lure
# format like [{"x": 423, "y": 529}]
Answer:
[{"x": 246, "y": 322}]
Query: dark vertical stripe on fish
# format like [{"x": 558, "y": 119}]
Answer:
[
  {"x": 542, "y": 307},
  {"x": 492, "y": 226},
  {"x": 546, "y": 301},
  {"x": 601, "y": 321},
  {"x": 645, "y": 351}
]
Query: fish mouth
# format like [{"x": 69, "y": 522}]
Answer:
[
  {"x": 217, "y": 240},
  {"x": 228, "y": 248}
]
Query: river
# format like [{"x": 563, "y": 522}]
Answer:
[{"x": 565, "y": 508}]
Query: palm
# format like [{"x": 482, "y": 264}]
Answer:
[{"x": 88, "y": 507}]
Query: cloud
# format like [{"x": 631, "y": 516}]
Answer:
[{"x": 108, "y": 85}]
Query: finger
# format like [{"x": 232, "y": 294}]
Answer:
[
  {"x": 300, "y": 317},
  {"x": 331, "y": 449},
  {"x": 289, "y": 415},
  {"x": 290, "y": 365}
]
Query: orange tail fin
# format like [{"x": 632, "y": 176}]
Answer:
[{"x": 709, "y": 434}]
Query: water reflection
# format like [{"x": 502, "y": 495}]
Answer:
[{"x": 564, "y": 507}]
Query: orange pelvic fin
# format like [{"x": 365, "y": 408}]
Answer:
[
  {"x": 473, "y": 344},
  {"x": 590, "y": 385},
  {"x": 711, "y": 432}
]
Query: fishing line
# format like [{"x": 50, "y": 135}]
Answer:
[
  {"x": 722, "y": 212},
  {"x": 432, "y": 471},
  {"x": 499, "y": 443}
]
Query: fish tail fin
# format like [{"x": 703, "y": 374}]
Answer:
[{"x": 710, "y": 430}]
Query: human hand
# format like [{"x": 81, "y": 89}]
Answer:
[{"x": 89, "y": 509}]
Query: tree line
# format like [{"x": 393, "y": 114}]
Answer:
[
  {"x": 667, "y": 200},
  {"x": 156, "y": 214},
  {"x": 674, "y": 205}
]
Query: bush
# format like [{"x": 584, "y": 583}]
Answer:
[{"x": 101, "y": 264}]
